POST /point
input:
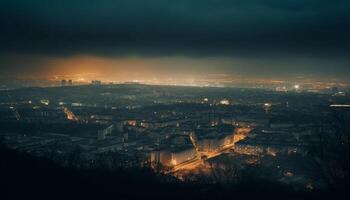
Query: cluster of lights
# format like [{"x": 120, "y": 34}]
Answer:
[
  {"x": 45, "y": 102},
  {"x": 225, "y": 102}
]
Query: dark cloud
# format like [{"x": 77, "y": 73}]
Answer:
[
  {"x": 71, "y": 26},
  {"x": 233, "y": 28}
]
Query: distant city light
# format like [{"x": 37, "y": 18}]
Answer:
[
  {"x": 340, "y": 105},
  {"x": 225, "y": 102},
  {"x": 267, "y": 107},
  {"x": 281, "y": 89},
  {"x": 45, "y": 102},
  {"x": 288, "y": 174},
  {"x": 339, "y": 94},
  {"x": 267, "y": 104},
  {"x": 77, "y": 104},
  {"x": 296, "y": 87}
]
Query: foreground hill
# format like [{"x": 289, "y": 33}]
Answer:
[{"x": 26, "y": 177}]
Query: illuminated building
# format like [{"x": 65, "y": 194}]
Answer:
[
  {"x": 183, "y": 155},
  {"x": 213, "y": 139},
  {"x": 102, "y": 133},
  {"x": 70, "y": 114},
  {"x": 173, "y": 157},
  {"x": 270, "y": 143},
  {"x": 177, "y": 149},
  {"x": 45, "y": 102},
  {"x": 131, "y": 122},
  {"x": 205, "y": 100},
  {"x": 225, "y": 102},
  {"x": 102, "y": 119}
]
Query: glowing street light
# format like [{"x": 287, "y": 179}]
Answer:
[{"x": 267, "y": 107}]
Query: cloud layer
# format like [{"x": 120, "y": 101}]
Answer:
[{"x": 286, "y": 30}]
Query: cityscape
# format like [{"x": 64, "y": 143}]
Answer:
[
  {"x": 174, "y": 100},
  {"x": 179, "y": 131}
]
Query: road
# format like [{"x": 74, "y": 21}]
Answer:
[{"x": 192, "y": 164}]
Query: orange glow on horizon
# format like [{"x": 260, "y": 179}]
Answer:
[{"x": 85, "y": 68}]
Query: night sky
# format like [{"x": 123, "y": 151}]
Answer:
[{"x": 253, "y": 38}]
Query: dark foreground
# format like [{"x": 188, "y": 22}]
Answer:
[{"x": 27, "y": 177}]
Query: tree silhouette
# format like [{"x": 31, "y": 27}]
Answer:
[{"x": 332, "y": 150}]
